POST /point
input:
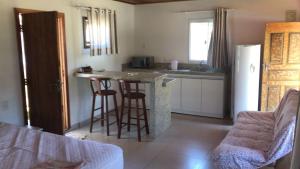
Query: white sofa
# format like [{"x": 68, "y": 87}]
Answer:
[
  {"x": 258, "y": 139},
  {"x": 23, "y": 148}
]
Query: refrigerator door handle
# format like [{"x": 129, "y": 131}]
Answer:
[{"x": 252, "y": 68}]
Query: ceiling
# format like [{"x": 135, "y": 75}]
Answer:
[{"x": 136, "y": 2}]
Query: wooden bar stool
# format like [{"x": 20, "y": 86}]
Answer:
[
  {"x": 104, "y": 93},
  {"x": 132, "y": 94}
]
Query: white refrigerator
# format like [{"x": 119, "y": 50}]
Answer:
[{"x": 246, "y": 78}]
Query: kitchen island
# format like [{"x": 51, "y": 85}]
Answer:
[
  {"x": 159, "y": 95},
  {"x": 195, "y": 92}
]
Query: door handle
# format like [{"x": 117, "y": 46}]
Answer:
[
  {"x": 252, "y": 68},
  {"x": 56, "y": 86},
  {"x": 266, "y": 67}
]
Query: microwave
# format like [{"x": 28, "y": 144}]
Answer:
[{"x": 143, "y": 62}]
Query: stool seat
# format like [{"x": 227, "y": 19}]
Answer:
[
  {"x": 106, "y": 92},
  {"x": 135, "y": 95}
]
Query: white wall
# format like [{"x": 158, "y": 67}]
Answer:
[
  {"x": 80, "y": 98},
  {"x": 155, "y": 29},
  {"x": 10, "y": 91},
  {"x": 162, "y": 30}
]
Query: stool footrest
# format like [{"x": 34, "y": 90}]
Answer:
[
  {"x": 112, "y": 123},
  {"x": 97, "y": 108}
]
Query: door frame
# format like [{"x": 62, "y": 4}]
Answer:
[
  {"x": 65, "y": 68},
  {"x": 17, "y": 11}
]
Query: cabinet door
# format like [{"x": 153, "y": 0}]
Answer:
[
  {"x": 191, "y": 95},
  {"x": 212, "y": 97},
  {"x": 176, "y": 95}
]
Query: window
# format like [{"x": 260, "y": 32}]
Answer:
[
  {"x": 86, "y": 32},
  {"x": 200, "y": 35},
  {"x": 99, "y": 31},
  {"x": 100, "y": 34}
]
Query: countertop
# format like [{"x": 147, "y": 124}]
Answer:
[
  {"x": 128, "y": 75},
  {"x": 181, "y": 73}
]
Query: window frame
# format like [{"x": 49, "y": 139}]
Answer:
[
  {"x": 208, "y": 19},
  {"x": 85, "y": 22}
]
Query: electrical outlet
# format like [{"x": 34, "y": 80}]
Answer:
[
  {"x": 4, "y": 105},
  {"x": 291, "y": 15}
]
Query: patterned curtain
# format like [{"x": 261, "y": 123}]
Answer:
[
  {"x": 218, "y": 49},
  {"x": 102, "y": 31}
]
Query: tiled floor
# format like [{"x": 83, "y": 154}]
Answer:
[{"x": 187, "y": 144}]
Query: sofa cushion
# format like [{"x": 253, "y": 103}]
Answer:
[{"x": 246, "y": 144}]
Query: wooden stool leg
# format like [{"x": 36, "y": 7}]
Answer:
[
  {"x": 92, "y": 113},
  {"x": 138, "y": 120},
  {"x": 116, "y": 110},
  {"x": 107, "y": 116},
  {"x": 102, "y": 111},
  {"x": 128, "y": 119},
  {"x": 121, "y": 118},
  {"x": 145, "y": 116}
]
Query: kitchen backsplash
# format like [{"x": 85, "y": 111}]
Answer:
[{"x": 192, "y": 67}]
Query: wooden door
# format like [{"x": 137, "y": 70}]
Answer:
[
  {"x": 281, "y": 63},
  {"x": 42, "y": 52},
  {"x": 63, "y": 71}
]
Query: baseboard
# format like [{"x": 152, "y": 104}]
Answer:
[
  {"x": 83, "y": 123},
  {"x": 87, "y": 121},
  {"x": 201, "y": 114}
]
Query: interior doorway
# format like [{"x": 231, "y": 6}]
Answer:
[{"x": 43, "y": 67}]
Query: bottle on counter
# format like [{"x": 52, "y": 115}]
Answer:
[{"x": 174, "y": 64}]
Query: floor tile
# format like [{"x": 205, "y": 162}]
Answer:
[
  {"x": 177, "y": 161},
  {"x": 187, "y": 144}
]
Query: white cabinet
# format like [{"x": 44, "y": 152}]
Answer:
[
  {"x": 212, "y": 96},
  {"x": 191, "y": 95},
  {"x": 198, "y": 96},
  {"x": 176, "y": 95}
]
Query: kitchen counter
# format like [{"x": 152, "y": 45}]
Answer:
[
  {"x": 145, "y": 77},
  {"x": 181, "y": 73},
  {"x": 159, "y": 95}
]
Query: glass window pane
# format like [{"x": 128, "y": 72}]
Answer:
[{"x": 200, "y": 35}]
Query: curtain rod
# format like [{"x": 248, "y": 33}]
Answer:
[
  {"x": 80, "y": 6},
  {"x": 228, "y": 9},
  {"x": 88, "y": 7}
]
